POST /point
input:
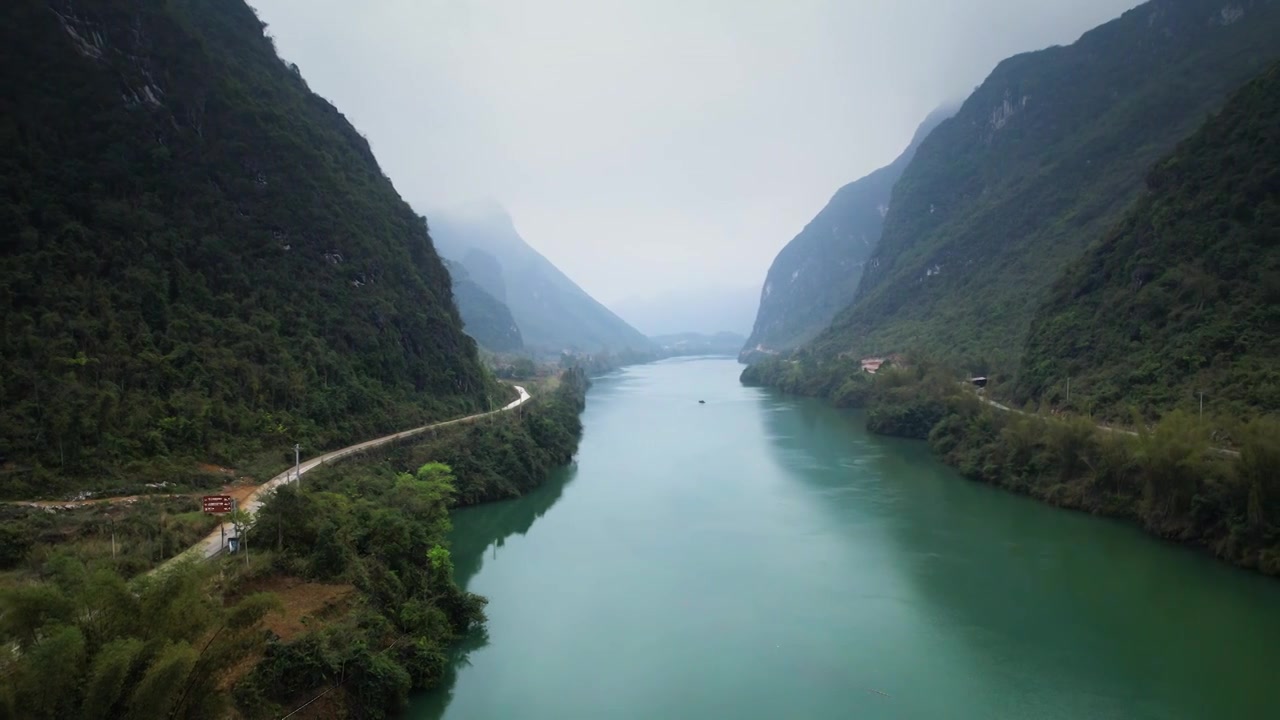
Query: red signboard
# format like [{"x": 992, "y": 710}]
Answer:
[{"x": 216, "y": 504}]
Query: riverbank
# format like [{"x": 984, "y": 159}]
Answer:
[
  {"x": 398, "y": 636},
  {"x": 345, "y": 600},
  {"x": 1169, "y": 479}
]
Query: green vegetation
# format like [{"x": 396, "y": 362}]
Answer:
[
  {"x": 905, "y": 402},
  {"x": 381, "y": 529},
  {"x": 201, "y": 258},
  {"x": 841, "y": 380},
  {"x": 1183, "y": 296},
  {"x": 607, "y": 360},
  {"x": 484, "y": 317},
  {"x": 510, "y": 454},
  {"x": 128, "y": 538},
  {"x": 517, "y": 369},
  {"x": 1041, "y": 160},
  {"x": 1180, "y": 297},
  {"x": 89, "y": 643},
  {"x": 1169, "y": 480},
  {"x": 1172, "y": 478},
  {"x": 85, "y": 644},
  {"x": 383, "y": 532},
  {"x": 816, "y": 275}
]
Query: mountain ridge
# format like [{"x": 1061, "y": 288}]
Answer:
[
  {"x": 829, "y": 255},
  {"x": 202, "y": 259},
  {"x": 1040, "y": 160},
  {"x": 553, "y": 313},
  {"x": 484, "y": 317}
]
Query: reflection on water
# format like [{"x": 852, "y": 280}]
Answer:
[
  {"x": 485, "y": 528},
  {"x": 481, "y": 532},
  {"x": 762, "y": 557},
  {"x": 1125, "y": 626}
]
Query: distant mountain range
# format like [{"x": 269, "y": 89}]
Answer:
[
  {"x": 817, "y": 273},
  {"x": 709, "y": 309},
  {"x": 552, "y": 313},
  {"x": 722, "y": 343}
]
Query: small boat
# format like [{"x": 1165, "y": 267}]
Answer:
[{"x": 702, "y": 402}]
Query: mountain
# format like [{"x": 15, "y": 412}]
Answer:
[
  {"x": 1183, "y": 295},
  {"x": 484, "y": 317},
  {"x": 553, "y": 313},
  {"x": 694, "y": 309},
  {"x": 200, "y": 258},
  {"x": 1041, "y": 160},
  {"x": 721, "y": 343},
  {"x": 816, "y": 275}
]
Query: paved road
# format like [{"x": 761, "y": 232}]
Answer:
[
  {"x": 212, "y": 544},
  {"x": 1221, "y": 451}
]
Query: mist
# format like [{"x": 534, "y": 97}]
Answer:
[{"x": 652, "y": 148}]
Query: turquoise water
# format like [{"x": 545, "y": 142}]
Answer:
[{"x": 764, "y": 557}]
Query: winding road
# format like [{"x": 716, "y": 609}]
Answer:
[
  {"x": 1105, "y": 428},
  {"x": 212, "y": 544}
]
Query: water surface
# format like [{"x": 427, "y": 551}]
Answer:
[{"x": 764, "y": 557}]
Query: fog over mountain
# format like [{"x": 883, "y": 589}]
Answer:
[
  {"x": 645, "y": 147},
  {"x": 710, "y": 309}
]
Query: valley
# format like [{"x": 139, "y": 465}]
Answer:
[{"x": 994, "y": 433}]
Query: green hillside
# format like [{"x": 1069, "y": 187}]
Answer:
[
  {"x": 1041, "y": 160},
  {"x": 1183, "y": 295},
  {"x": 200, "y": 258},
  {"x": 816, "y": 275},
  {"x": 484, "y": 317}
]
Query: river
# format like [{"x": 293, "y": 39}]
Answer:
[{"x": 765, "y": 557}]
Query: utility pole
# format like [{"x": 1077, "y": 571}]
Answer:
[
  {"x": 297, "y": 464},
  {"x": 1068, "y": 388},
  {"x": 1201, "y": 407},
  {"x": 244, "y": 537}
]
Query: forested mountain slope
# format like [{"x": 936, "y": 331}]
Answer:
[
  {"x": 816, "y": 275},
  {"x": 1040, "y": 161},
  {"x": 200, "y": 257},
  {"x": 553, "y": 313},
  {"x": 484, "y": 317},
  {"x": 1183, "y": 295}
]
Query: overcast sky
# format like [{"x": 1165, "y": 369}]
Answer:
[{"x": 649, "y": 144}]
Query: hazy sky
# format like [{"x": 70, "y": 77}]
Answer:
[{"x": 648, "y": 144}]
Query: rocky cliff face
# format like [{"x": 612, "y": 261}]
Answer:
[
  {"x": 1041, "y": 160},
  {"x": 816, "y": 275}
]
